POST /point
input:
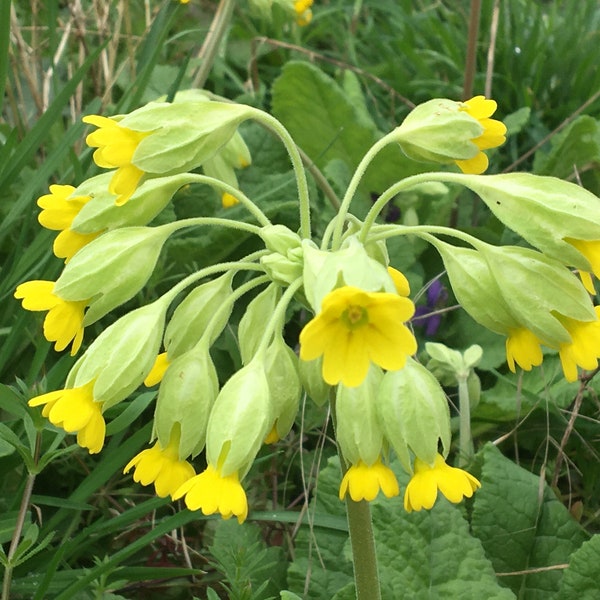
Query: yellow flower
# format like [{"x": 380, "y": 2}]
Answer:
[
  {"x": 584, "y": 348},
  {"x": 524, "y": 348},
  {"x": 58, "y": 212},
  {"x": 303, "y": 12},
  {"x": 272, "y": 436},
  {"x": 228, "y": 200},
  {"x": 355, "y": 328},
  {"x": 494, "y": 133},
  {"x": 364, "y": 482},
  {"x": 162, "y": 467},
  {"x": 75, "y": 411},
  {"x": 64, "y": 322},
  {"x": 116, "y": 146},
  {"x": 423, "y": 487},
  {"x": 213, "y": 492},
  {"x": 161, "y": 364}
]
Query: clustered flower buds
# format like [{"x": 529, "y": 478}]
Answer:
[{"x": 357, "y": 349}]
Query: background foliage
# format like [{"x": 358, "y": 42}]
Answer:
[{"x": 354, "y": 73}]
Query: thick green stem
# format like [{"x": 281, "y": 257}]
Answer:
[
  {"x": 362, "y": 540},
  {"x": 465, "y": 439},
  {"x": 304, "y": 201},
  {"x": 364, "y": 556}
]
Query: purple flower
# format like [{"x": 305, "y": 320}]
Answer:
[{"x": 427, "y": 315}]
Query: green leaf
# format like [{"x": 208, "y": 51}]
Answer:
[
  {"x": 523, "y": 527},
  {"x": 517, "y": 120},
  {"x": 577, "y": 145},
  {"x": 580, "y": 580}
]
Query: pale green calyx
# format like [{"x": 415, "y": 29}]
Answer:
[
  {"x": 183, "y": 134},
  {"x": 351, "y": 266},
  {"x": 193, "y": 315},
  {"x": 475, "y": 287},
  {"x": 358, "y": 429},
  {"x": 536, "y": 287},
  {"x": 252, "y": 324},
  {"x": 148, "y": 200},
  {"x": 240, "y": 419},
  {"x": 112, "y": 268},
  {"x": 122, "y": 355},
  {"x": 186, "y": 395},
  {"x": 281, "y": 365},
  {"x": 542, "y": 210},
  {"x": 448, "y": 365},
  {"x": 438, "y": 131},
  {"x": 414, "y": 414},
  {"x": 311, "y": 376},
  {"x": 285, "y": 263}
]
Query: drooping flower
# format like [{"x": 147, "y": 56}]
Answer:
[
  {"x": 161, "y": 364},
  {"x": 116, "y": 146},
  {"x": 75, "y": 411},
  {"x": 356, "y": 328},
  {"x": 494, "y": 133},
  {"x": 364, "y": 482},
  {"x": 212, "y": 492},
  {"x": 161, "y": 466},
  {"x": 422, "y": 490},
  {"x": 58, "y": 212},
  {"x": 523, "y": 348},
  {"x": 303, "y": 12},
  {"x": 584, "y": 348},
  {"x": 64, "y": 322}
]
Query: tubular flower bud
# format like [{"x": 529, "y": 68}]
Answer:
[
  {"x": 121, "y": 357},
  {"x": 356, "y": 328},
  {"x": 445, "y": 131},
  {"x": 131, "y": 252},
  {"x": 75, "y": 411},
  {"x": 64, "y": 322},
  {"x": 161, "y": 364},
  {"x": 422, "y": 490},
  {"x": 59, "y": 209},
  {"x": 161, "y": 466},
  {"x": 185, "y": 398},
  {"x": 239, "y": 422}
]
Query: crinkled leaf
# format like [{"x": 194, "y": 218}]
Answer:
[
  {"x": 580, "y": 579},
  {"x": 523, "y": 527}
]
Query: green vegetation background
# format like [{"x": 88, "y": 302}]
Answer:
[{"x": 353, "y": 73}]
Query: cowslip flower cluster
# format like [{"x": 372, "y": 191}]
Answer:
[{"x": 357, "y": 350}]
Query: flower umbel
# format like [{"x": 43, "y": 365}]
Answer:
[
  {"x": 116, "y": 146},
  {"x": 494, "y": 133},
  {"x": 75, "y": 411},
  {"x": 364, "y": 482},
  {"x": 64, "y": 322},
  {"x": 355, "y": 328},
  {"x": 212, "y": 492},
  {"x": 58, "y": 212},
  {"x": 162, "y": 467},
  {"x": 423, "y": 487}
]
